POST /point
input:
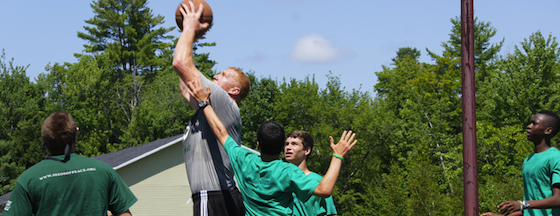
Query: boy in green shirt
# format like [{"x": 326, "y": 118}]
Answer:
[
  {"x": 541, "y": 171},
  {"x": 299, "y": 146},
  {"x": 266, "y": 182}
]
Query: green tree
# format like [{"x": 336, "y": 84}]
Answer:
[
  {"x": 344, "y": 110},
  {"x": 9, "y": 169},
  {"x": 257, "y": 107},
  {"x": 422, "y": 104},
  {"x": 407, "y": 52},
  {"x": 164, "y": 112},
  {"x": 389, "y": 194},
  {"x": 391, "y": 80},
  {"x": 126, "y": 31},
  {"x": 296, "y": 104},
  {"x": 485, "y": 53},
  {"x": 527, "y": 81},
  {"x": 21, "y": 116},
  {"x": 84, "y": 91}
]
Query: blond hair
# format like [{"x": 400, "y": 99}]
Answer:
[{"x": 243, "y": 83}]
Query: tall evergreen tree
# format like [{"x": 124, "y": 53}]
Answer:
[
  {"x": 126, "y": 31},
  {"x": 485, "y": 53},
  {"x": 406, "y": 52}
]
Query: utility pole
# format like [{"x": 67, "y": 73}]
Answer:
[{"x": 470, "y": 169}]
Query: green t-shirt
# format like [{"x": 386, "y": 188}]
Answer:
[
  {"x": 540, "y": 172},
  {"x": 81, "y": 186},
  {"x": 314, "y": 205},
  {"x": 267, "y": 187}
]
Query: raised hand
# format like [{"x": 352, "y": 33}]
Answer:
[
  {"x": 345, "y": 144},
  {"x": 191, "y": 18}
]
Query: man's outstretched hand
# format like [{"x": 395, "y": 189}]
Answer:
[
  {"x": 191, "y": 18},
  {"x": 345, "y": 144}
]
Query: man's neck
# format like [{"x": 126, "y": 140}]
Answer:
[
  {"x": 542, "y": 146},
  {"x": 269, "y": 158},
  {"x": 233, "y": 99},
  {"x": 303, "y": 167}
]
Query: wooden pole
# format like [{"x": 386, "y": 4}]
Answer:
[{"x": 470, "y": 174}]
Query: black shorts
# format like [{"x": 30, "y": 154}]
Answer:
[{"x": 214, "y": 203}]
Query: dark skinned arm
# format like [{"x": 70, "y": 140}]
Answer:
[{"x": 546, "y": 203}]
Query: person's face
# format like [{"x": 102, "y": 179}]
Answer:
[
  {"x": 294, "y": 150},
  {"x": 537, "y": 128},
  {"x": 226, "y": 79}
]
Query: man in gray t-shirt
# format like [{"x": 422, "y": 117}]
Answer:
[{"x": 208, "y": 167}]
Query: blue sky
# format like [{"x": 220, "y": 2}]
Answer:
[{"x": 285, "y": 38}]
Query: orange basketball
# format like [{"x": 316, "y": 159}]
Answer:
[{"x": 205, "y": 17}]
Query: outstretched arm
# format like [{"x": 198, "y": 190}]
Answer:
[
  {"x": 183, "y": 62},
  {"x": 194, "y": 88},
  {"x": 346, "y": 143},
  {"x": 549, "y": 202},
  {"x": 546, "y": 203}
]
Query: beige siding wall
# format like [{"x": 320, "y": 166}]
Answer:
[{"x": 160, "y": 183}]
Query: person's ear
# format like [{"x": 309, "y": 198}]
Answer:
[
  {"x": 234, "y": 91},
  {"x": 73, "y": 145},
  {"x": 258, "y": 145},
  {"x": 548, "y": 130},
  {"x": 307, "y": 151}
]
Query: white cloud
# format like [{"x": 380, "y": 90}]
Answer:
[{"x": 314, "y": 48}]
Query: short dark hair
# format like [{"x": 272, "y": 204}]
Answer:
[
  {"x": 306, "y": 139},
  {"x": 57, "y": 131},
  {"x": 271, "y": 137},
  {"x": 552, "y": 120}
]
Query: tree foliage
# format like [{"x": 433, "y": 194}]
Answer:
[
  {"x": 21, "y": 114},
  {"x": 84, "y": 90},
  {"x": 126, "y": 31},
  {"x": 257, "y": 107}
]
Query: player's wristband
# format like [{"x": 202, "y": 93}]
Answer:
[
  {"x": 338, "y": 156},
  {"x": 524, "y": 205}
]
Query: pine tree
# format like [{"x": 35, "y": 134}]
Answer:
[{"x": 125, "y": 30}]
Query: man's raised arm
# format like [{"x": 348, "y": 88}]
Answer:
[
  {"x": 340, "y": 150},
  {"x": 183, "y": 62}
]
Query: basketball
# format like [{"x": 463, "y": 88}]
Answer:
[{"x": 205, "y": 17}]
